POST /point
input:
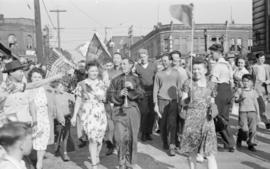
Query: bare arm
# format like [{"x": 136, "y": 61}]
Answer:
[
  {"x": 77, "y": 106},
  {"x": 43, "y": 82}
]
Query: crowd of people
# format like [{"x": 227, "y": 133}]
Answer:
[{"x": 187, "y": 101}]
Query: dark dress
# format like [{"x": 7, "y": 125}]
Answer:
[
  {"x": 126, "y": 119},
  {"x": 199, "y": 133}
]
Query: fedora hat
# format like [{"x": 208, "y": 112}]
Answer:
[
  {"x": 12, "y": 66},
  {"x": 216, "y": 47}
]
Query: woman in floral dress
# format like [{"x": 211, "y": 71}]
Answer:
[
  {"x": 40, "y": 115},
  {"x": 199, "y": 134},
  {"x": 90, "y": 107}
]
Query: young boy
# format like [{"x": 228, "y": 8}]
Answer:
[
  {"x": 64, "y": 105},
  {"x": 248, "y": 112},
  {"x": 16, "y": 139}
]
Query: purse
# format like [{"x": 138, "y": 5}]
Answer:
[
  {"x": 220, "y": 123},
  {"x": 212, "y": 111}
]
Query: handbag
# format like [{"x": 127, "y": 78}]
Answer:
[
  {"x": 184, "y": 108},
  {"x": 212, "y": 111},
  {"x": 220, "y": 123}
]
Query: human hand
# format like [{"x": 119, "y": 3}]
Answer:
[
  {"x": 124, "y": 92},
  {"x": 156, "y": 109},
  {"x": 73, "y": 121},
  {"x": 129, "y": 85},
  {"x": 61, "y": 121}
]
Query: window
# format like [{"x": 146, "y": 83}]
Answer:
[
  {"x": 11, "y": 40},
  {"x": 29, "y": 42},
  {"x": 239, "y": 44},
  {"x": 232, "y": 45},
  {"x": 166, "y": 45},
  {"x": 250, "y": 44}
]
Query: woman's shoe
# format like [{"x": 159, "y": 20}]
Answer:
[{"x": 66, "y": 157}]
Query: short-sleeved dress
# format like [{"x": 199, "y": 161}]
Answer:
[
  {"x": 92, "y": 112},
  {"x": 42, "y": 133},
  {"x": 199, "y": 133}
]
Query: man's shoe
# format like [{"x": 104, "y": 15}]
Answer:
[
  {"x": 110, "y": 151},
  {"x": 148, "y": 137},
  {"x": 252, "y": 148},
  {"x": 267, "y": 125},
  {"x": 231, "y": 149},
  {"x": 143, "y": 138},
  {"x": 239, "y": 143}
]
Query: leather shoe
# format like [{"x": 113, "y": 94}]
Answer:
[
  {"x": 148, "y": 137},
  {"x": 252, "y": 148},
  {"x": 231, "y": 149},
  {"x": 110, "y": 151},
  {"x": 66, "y": 157}
]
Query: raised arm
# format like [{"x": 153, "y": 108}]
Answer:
[{"x": 43, "y": 82}]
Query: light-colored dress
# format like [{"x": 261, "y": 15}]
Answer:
[
  {"x": 199, "y": 133},
  {"x": 42, "y": 132},
  {"x": 92, "y": 111}
]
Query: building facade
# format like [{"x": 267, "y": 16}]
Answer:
[
  {"x": 261, "y": 26},
  {"x": 18, "y": 34},
  {"x": 236, "y": 38}
]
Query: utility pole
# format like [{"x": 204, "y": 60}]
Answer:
[
  {"x": 106, "y": 34},
  {"x": 39, "y": 41},
  {"x": 130, "y": 36},
  {"x": 205, "y": 39},
  {"x": 58, "y": 25}
]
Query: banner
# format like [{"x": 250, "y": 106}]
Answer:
[
  {"x": 57, "y": 63},
  {"x": 97, "y": 50},
  {"x": 182, "y": 13}
]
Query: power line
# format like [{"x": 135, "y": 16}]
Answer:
[
  {"x": 48, "y": 15},
  {"x": 84, "y": 13},
  {"x": 29, "y": 7}
]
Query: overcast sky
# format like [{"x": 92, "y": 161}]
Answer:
[{"x": 85, "y": 16}]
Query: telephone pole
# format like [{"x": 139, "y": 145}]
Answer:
[
  {"x": 58, "y": 25},
  {"x": 39, "y": 41}
]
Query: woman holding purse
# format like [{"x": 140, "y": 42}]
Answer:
[{"x": 199, "y": 134}]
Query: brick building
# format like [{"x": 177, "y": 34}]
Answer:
[
  {"x": 18, "y": 34},
  {"x": 236, "y": 38},
  {"x": 261, "y": 27}
]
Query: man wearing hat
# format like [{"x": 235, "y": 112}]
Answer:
[
  {"x": 222, "y": 75},
  {"x": 12, "y": 96},
  {"x": 146, "y": 72},
  {"x": 231, "y": 59}
]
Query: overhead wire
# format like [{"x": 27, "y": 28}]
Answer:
[
  {"x": 48, "y": 15},
  {"x": 85, "y": 13}
]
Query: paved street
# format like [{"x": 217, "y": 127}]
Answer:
[{"x": 151, "y": 156}]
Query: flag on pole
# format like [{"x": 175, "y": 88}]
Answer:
[
  {"x": 82, "y": 48},
  {"x": 57, "y": 63},
  {"x": 182, "y": 13},
  {"x": 97, "y": 50}
]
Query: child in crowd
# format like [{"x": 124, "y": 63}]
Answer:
[
  {"x": 16, "y": 140},
  {"x": 65, "y": 106},
  {"x": 248, "y": 112}
]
